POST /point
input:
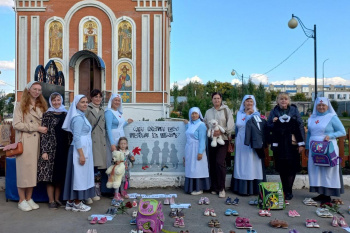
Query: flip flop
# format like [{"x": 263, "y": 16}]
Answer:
[
  {"x": 228, "y": 212},
  {"x": 234, "y": 213}
]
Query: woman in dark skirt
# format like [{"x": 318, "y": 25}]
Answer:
[
  {"x": 79, "y": 184},
  {"x": 54, "y": 147},
  {"x": 196, "y": 161},
  {"x": 287, "y": 141}
]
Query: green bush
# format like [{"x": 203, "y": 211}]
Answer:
[{"x": 345, "y": 114}]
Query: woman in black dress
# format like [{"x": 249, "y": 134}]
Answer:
[
  {"x": 287, "y": 142},
  {"x": 54, "y": 150}
]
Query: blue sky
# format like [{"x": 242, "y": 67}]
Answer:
[{"x": 210, "y": 38}]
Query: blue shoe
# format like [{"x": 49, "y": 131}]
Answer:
[
  {"x": 133, "y": 221},
  {"x": 228, "y": 212},
  {"x": 235, "y": 201},
  {"x": 228, "y": 201},
  {"x": 115, "y": 203}
]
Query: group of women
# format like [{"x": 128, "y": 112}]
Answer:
[
  {"x": 65, "y": 149},
  {"x": 205, "y": 167}
]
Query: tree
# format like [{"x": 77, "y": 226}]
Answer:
[
  {"x": 260, "y": 98},
  {"x": 334, "y": 105},
  {"x": 250, "y": 87},
  {"x": 175, "y": 94},
  {"x": 299, "y": 97}
]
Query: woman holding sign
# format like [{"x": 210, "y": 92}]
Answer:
[{"x": 196, "y": 162}]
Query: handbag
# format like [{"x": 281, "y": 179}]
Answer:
[
  {"x": 231, "y": 146},
  {"x": 13, "y": 149}
]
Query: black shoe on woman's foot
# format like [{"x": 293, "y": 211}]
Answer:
[
  {"x": 289, "y": 196},
  {"x": 319, "y": 197}
]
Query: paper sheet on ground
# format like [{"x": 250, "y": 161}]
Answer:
[{"x": 134, "y": 195}]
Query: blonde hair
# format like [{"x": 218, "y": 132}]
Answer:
[
  {"x": 40, "y": 102},
  {"x": 283, "y": 94}
]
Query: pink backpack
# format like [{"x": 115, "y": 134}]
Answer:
[{"x": 150, "y": 217}]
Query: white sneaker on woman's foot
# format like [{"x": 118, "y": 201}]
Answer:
[
  {"x": 80, "y": 207},
  {"x": 32, "y": 204},
  {"x": 96, "y": 198},
  {"x": 88, "y": 201},
  {"x": 24, "y": 206},
  {"x": 222, "y": 193},
  {"x": 197, "y": 193}
]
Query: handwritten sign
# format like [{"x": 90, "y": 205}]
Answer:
[{"x": 162, "y": 145}]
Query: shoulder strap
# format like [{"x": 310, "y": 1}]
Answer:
[
  {"x": 227, "y": 117},
  {"x": 96, "y": 123}
]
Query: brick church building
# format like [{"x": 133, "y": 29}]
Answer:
[{"x": 117, "y": 46}]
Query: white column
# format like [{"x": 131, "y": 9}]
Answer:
[
  {"x": 22, "y": 51},
  {"x": 145, "y": 54},
  {"x": 157, "y": 51},
  {"x": 34, "y": 45}
]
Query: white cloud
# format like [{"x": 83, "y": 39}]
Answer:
[
  {"x": 236, "y": 81},
  {"x": 2, "y": 83},
  {"x": 182, "y": 83},
  {"x": 308, "y": 80},
  {"x": 7, "y": 65},
  {"x": 256, "y": 79},
  {"x": 9, "y": 3}
]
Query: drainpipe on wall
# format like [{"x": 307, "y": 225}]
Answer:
[
  {"x": 16, "y": 75},
  {"x": 163, "y": 106}
]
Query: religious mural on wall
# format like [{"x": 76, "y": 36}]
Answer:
[
  {"x": 90, "y": 36},
  {"x": 59, "y": 66},
  {"x": 124, "y": 40},
  {"x": 125, "y": 81},
  {"x": 55, "y": 39},
  {"x": 51, "y": 72},
  {"x": 40, "y": 74}
]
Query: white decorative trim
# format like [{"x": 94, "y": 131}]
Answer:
[
  {"x": 34, "y": 44},
  {"x": 36, "y": 6},
  {"x": 147, "y": 5},
  {"x": 68, "y": 17},
  {"x": 116, "y": 78},
  {"x": 157, "y": 53},
  {"x": 22, "y": 51},
  {"x": 133, "y": 26},
  {"x": 99, "y": 33},
  {"x": 145, "y": 53},
  {"x": 167, "y": 59}
]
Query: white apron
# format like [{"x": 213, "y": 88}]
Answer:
[
  {"x": 118, "y": 132},
  {"x": 327, "y": 177},
  {"x": 84, "y": 174},
  {"x": 193, "y": 167},
  {"x": 248, "y": 165}
]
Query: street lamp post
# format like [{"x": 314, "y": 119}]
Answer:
[
  {"x": 293, "y": 23},
  {"x": 323, "y": 73},
  {"x": 233, "y": 73}
]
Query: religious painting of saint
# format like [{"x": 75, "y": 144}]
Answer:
[
  {"x": 40, "y": 74},
  {"x": 60, "y": 80},
  {"x": 124, "y": 40},
  {"x": 51, "y": 72},
  {"x": 90, "y": 37},
  {"x": 55, "y": 39},
  {"x": 126, "y": 97},
  {"x": 124, "y": 77}
]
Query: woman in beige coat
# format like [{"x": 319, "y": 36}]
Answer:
[
  {"x": 27, "y": 123},
  {"x": 96, "y": 116}
]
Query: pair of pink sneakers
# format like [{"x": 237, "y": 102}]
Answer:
[
  {"x": 170, "y": 201},
  {"x": 243, "y": 223},
  {"x": 293, "y": 213},
  {"x": 339, "y": 221}
]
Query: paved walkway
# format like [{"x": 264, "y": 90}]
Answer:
[{"x": 12, "y": 220}]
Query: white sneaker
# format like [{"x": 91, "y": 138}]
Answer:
[
  {"x": 197, "y": 193},
  {"x": 69, "y": 205},
  {"x": 24, "y": 206},
  {"x": 96, "y": 198},
  {"x": 81, "y": 207},
  {"x": 222, "y": 193},
  {"x": 88, "y": 201},
  {"x": 32, "y": 204},
  {"x": 214, "y": 192}
]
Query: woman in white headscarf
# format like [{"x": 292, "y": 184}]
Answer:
[
  {"x": 79, "y": 184},
  {"x": 115, "y": 124},
  {"x": 54, "y": 147},
  {"x": 324, "y": 124},
  {"x": 27, "y": 123},
  {"x": 248, "y": 169},
  {"x": 196, "y": 161}
]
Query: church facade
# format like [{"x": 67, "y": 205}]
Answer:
[{"x": 117, "y": 46}]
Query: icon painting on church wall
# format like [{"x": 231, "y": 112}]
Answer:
[
  {"x": 90, "y": 37},
  {"x": 59, "y": 66},
  {"x": 124, "y": 77},
  {"x": 55, "y": 39},
  {"x": 51, "y": 72},
  {"x": 124, "y": 40}
]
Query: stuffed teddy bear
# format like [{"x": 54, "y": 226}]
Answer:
[
  {"x": 213, "y": 126},
  {"x": 116, "y": 171}
]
